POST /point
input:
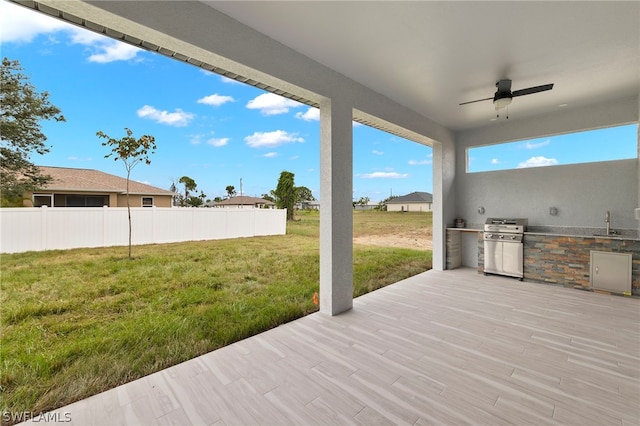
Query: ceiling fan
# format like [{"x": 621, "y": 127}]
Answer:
[{"x": 504, "y": 95}]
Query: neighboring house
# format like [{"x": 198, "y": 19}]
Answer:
[
  {"x": 245, "y": 201},
  {"x": 414, "y": 202},
  {"x": 71, "y": 187},
  {"x": 308, "y": 205},
  {"x": 360, "y": 207}
]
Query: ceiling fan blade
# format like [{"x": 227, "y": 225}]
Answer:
[
  {"x": 532, "y": 90},
  {"x": 477, "y": 100}
]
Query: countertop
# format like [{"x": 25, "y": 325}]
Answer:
[
  {"x": 579, "y": 235},
  {"x": 583, "y": 232},
  {"x": 464, "y": 229},
  {"x": 575, "y": 232}
]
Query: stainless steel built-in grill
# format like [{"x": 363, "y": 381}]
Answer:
[{"x": 503, "y": 246}]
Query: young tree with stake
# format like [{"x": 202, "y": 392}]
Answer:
[{"x": 131, "y": 152}]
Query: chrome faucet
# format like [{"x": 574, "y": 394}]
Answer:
[{"x": 607, "y": 222}]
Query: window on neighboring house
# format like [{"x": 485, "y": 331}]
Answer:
[
  {"x": 147, "y": 201},
  {"x": 86, "y": 201},
  {"x": 40, "y": 200}
]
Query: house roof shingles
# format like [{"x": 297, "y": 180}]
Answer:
[
  {"x": 244, "y": 201},
  {"x": 89, "y": 180},
  {"x": 414, "y": 197}
]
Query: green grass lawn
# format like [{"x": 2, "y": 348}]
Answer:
[{"x": 78, "y": 322}]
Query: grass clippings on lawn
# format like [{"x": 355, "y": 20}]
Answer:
[{"x": 78, "y": 322}]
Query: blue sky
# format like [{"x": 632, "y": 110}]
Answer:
[
  {"x": 209, "y": 128},
  {"x": 596, "y": 145},
  {"x": 218, "y": 131}
]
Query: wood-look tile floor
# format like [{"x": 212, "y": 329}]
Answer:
[{"x": 449, "y": 347}]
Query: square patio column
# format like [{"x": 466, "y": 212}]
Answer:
[
  {"x": 444, "y": 173},
  {"x": 336, "y": 215}
]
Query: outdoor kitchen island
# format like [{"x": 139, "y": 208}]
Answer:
[
  {"x": 556, "y": 255},
  {"x": 564, "y": 258}
]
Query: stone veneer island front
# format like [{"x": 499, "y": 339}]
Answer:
[{"x": 560, "y": 256}]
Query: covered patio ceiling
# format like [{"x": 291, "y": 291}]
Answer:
[{"x": 432, "y": 56}]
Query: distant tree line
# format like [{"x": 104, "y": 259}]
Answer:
[{"x": 285, "y": 196}]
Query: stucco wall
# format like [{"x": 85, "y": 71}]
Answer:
[
  {"x": 135, "y": 200},
  {"x": 582, "y": 193},
  {"x": 410, "y": 207},
  {"x": 115, "y": 200}
]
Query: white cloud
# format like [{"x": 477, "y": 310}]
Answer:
[
  {"x": 104, "y": 49},
  {"x": 272, "y": 104},
  {"x": 312, "y": 114},
  {"x": 532, "y": 145},
  {"x": 74, "y": 158},
  {"x": 495, "y": 161},
  {"x": 178, "y": 118},
  {"x": 224, "y": 79},
  {"x": 215, "y": 100},
  {"x": 21, "y": 25},
  {"x": 270, "y": 154},
  {"x": 86, "y": 38},
  {"x": 111, "y": 51},
  {"x": 376, "y": 152},
  {"x": 384, "y": 175},
  {"x": 538, "y": 162},
  {"x": 419, "y": 162},
  {"x": 218, "y": 142},
  {"x": 271, "y": 139}
]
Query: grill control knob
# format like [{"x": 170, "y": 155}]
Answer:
[
  {"x": 513, "y": 237},
  {"x": 488, "y": 235},
  {"x": 501, "y": 237}
]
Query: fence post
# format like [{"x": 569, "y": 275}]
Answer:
[
  {"x": 193, "y": 224},
  {"x": 153, "y": 225},
  {"x": 43, "y": 222},
  {"x": 104, "y": 226}
]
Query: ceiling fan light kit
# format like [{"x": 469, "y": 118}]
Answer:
[{"x": 501, "y": 102}]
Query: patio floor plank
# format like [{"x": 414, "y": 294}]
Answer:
[{"x": 449, "y": 347}]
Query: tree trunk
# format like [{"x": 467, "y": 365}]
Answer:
[{"x": 129, "y": 212}]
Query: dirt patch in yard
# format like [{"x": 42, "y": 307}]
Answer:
[{"x": 419, "y": 239}]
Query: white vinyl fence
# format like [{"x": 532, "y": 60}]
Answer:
[{"x": 45, "y": 228}]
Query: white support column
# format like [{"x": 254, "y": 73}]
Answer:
[
  {"x": 444, "y": 173},
  {"x": 336, "y": 215}
]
